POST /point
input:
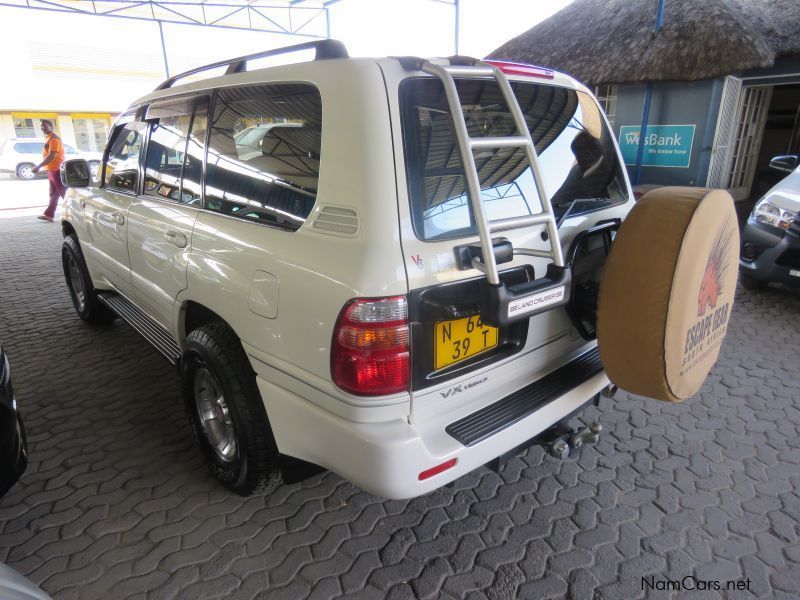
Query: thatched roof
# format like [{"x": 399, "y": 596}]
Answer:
[{"x": 614, "y": 41}]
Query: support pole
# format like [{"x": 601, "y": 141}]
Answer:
[
  {"x": 327, "y": 22},
  {"x": 163, "y": 48},
  {"x": 648, "y": 95},
  {"x": 458, "y": 15}
]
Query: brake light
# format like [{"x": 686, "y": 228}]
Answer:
[
  {"x": 512, "y": 68},
  {"x": 370, "y": 350}
]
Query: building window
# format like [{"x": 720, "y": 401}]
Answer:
[
  {"x": 30, "y": 125},
  {"x": 90, "y": 133},
  {"x": 607, "y": 96}
]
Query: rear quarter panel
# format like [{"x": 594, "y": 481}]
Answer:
[{"x": 316, "y": 273}]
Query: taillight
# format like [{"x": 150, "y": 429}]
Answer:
[
  {"x": 512, "y": 68},
  {"x": 369, "y": 355}
]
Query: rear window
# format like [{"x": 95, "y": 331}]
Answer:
[
  {"x": 576, "y": 151},
  {"x": 29, "y": 147}
]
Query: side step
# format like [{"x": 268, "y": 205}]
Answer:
[
  {"x": 148, "y": 328},
  {"x": 502, "y": 414}
]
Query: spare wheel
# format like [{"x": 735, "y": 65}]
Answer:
[{"x": 667, "y": 292}]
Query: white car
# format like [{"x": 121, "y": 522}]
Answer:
[
  {"x": 21, "y": 155},
  {"x": 331, "y": 294},
  {"x": 771, "y": 237}
]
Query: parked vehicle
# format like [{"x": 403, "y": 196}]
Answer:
[
  {"x": 13, "y": 445},
  {"x": 14, "y": 586},
  {"x": 771, "y": 237},
  {"x": 21, "y": 155},
  {"x": 332, "y": 293}
]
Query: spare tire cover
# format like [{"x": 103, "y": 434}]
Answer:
[{"x": 667, "y": 292}]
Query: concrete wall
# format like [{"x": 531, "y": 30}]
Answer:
[
  {"x": 6, "y": 127},
  {"x": 674, "y": 103}
]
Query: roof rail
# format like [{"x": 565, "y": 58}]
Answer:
[{"x": 325, "y": 49}]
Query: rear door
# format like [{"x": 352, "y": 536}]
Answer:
[
  {"x": 162, "y": 218},
  {"x": 106, "y": 208},
  {"x": 459, "y": 361}
]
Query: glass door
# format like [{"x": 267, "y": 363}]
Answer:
[{"x": 747, "y": 139}]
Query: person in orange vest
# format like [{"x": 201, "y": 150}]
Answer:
[{"x": 53, "y": 155}]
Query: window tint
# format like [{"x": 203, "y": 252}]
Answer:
[
  {"x": 579, "y": 163},
  {"x": 29, "y": 147},
  {"x": 122, "y": 168},
  {"x": 263, "y": 154}
]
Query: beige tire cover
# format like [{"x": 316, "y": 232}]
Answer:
[{"x": 667, "y": 292}]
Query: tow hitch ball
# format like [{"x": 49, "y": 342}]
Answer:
[{"x": 561, "y": 446}]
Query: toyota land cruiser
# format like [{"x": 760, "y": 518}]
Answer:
[{"x": 383, "y": 267}]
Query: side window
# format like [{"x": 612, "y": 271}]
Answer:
[
  {"x": 193, "y": 162},
  {"x": 263, "y": 154},
  {"x": 165, "y": 151},
  {"x": 122, "y": 167}
]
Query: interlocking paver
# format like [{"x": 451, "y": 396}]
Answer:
[{"x": 116, "y": 502}]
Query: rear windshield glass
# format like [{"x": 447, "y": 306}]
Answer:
[{"x": 576, "y": 151}]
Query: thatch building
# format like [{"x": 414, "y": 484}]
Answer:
[{"x": 725, "y": 74}]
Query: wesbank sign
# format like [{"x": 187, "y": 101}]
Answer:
[{"x": 664, "y": 145}]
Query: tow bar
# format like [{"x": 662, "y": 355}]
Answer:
[{"x": 559, "y": 440}]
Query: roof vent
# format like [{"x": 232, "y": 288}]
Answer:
[{"x": 337, "y": 220}]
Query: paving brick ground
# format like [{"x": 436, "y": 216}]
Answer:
[{"x": 117, "y": 504}]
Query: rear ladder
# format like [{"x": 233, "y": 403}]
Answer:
[{"x": 501, "y": 304}]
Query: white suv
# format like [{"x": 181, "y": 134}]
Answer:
[
  {"x": 21, "y": 155},
  {"x": 312, "y": 245}
]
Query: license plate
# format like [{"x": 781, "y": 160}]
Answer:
[{"x": 461, "y": 339}]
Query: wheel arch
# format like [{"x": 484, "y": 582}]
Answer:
[
  {"x": 194, "y": 315},
  {"x": 67, "y": 229}
]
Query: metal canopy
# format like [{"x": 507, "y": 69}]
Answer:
[
  {"x": 308, "y": 18},
  {"x": 303, "y": 18}
]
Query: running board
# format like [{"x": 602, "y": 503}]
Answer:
[
  {"x": 147, "y": 327},
  {"x": 502, "y": 414}
]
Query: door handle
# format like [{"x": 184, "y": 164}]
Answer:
[
  {"x": 118, "y": 218},
  {"x": 175, "y": 238}
]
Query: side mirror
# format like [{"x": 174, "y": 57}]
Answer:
[
  {"x": 787, "y": 164},
  {"x": 75, "y": 173}
]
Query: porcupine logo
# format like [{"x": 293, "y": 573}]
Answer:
[{"x": 718, "y": 264}]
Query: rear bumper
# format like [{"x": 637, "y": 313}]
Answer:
[
  {"x": 779, "y": 254},
  {"x": 387, "y": 458}
]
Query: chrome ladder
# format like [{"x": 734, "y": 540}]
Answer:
[{"x": 498, "y": 300}]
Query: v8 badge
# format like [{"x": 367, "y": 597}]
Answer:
[{"x": 418, "y": 261}]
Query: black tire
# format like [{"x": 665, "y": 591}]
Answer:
[
  {"x": 23, "y": 171},
  {"x": 237, "y": 440},
  {"x": 751, "y": 283},
  {"x": 80, "y": 286}
]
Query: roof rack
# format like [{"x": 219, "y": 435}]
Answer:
[{"x": 326, "y": 49}]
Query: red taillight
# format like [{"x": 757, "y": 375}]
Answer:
[
  {"x": 370, "y": 355},
  {"x": 512, "y": 68}
]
